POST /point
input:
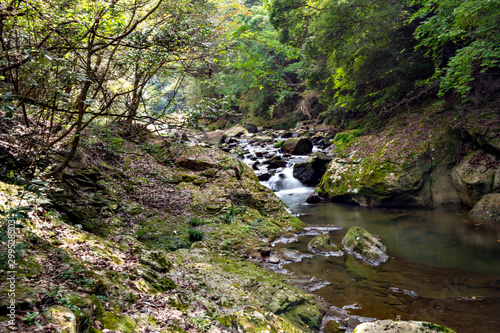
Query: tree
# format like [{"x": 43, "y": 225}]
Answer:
[
  {"x": 67, "y": 66},
  {"x": 463, "y": 39}
]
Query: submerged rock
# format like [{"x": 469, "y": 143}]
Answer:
[
  {"x": 313, "y": 198},
  {"x": 392, "y": 326},
  {"x": 487, "y": 209},
  {"x": 321, "y": 245},
  {"x": 365, "y": 246}
]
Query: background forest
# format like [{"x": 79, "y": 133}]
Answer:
[{"x": 67, "y": 65}]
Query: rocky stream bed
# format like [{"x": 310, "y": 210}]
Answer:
[{"x": 167, "y": 234}]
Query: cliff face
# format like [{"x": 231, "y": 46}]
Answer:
[{"x": 418, "y": 160}]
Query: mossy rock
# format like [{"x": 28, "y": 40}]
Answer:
[
  {"x": 392, "y": 326},
  {"x": 297, "y": 146},
  {"x": 321, "y": 245},
  {"x": 8, "y": 195},
  {"x": 63, "y": 317},
  {"x": 365, "y": 246},
  {"x": 156, "y": 259},
  {"x": 257, "y": 322}
]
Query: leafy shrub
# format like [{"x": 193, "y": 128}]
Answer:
[{"x": 195, "y": 235}]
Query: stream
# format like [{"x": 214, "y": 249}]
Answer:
[{"x": 442, "y": 268}]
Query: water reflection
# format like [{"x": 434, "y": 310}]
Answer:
[
  {"x": 443, "y": 268},
  {"x": 441, "y": 236}
]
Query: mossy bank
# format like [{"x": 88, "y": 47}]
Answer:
[{"x": 149, "y": 233}]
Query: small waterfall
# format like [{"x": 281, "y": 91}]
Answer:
[{"x": 284, "y": 181}]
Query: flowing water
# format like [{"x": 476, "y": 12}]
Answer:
[{"x": 442, "y": 267}]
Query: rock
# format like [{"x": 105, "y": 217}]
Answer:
[
  {"x": 487, "y": 209},
  {"x": 365, "y": 246},
  {"x": 260, "y": 139},
  {"x": 195, "y": 164},
  {"x": 264, "y": 177},
  {"x": 213, "y": 138},
  {"x": 265, "y": 252},
  {"x": 311, "y": 171},
  {"x": 321, "y": 245},
  {"x": 304, "y": 172},
  {"x": 297, "y": 146},
  {"x": 248, "y": 321},
  {"x": 274, "y": 260},
  {"x": 393, "y": 326},
  {"x": 157, "y": 260},
  {"x": 476, "y": 175},
  {"x": 236, "y": 131},
  {"x": 61, "y": 316},
  {"x": 319, "y": 161},
  {"x": 313, "y": 198},
  {"x": 276, "y": 163},
  {"x": 251, "y": 128},
  {"x": 418, "y": 178}
]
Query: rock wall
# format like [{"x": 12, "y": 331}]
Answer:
[{"x": 447, "y": 167}]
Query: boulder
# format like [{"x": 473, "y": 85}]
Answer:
[
  {"x": 275, "y": 164},
  {"x": 478, "y": 174},
  {"x": 304, "y": 172},
  {"x": 487, "y": 209},
  {"x": 236, "y": 131},
  {"x": 61, "y": 316},
  {"x": 213, "y": 138},
  {"x": 264, "y": 176},
  {"x": 311, "y": 171},
  {"x": 193, "y": 163},
  {"x": 321, "y": 245},
  {"x": 297, "y": 146},
  {"x": 260, "y": 139},
  {"x": 365, "y": 246},
  {"x": 373, "y": 175},
  {"x": 393, "y": 326},
  {"x": 157, "y": 260},
  {"x": 251, "y": 128},
  {"x": 313, "y": 198}
]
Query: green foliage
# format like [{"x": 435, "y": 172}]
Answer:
[
  {"x": 279, "y": 144},
  {"x": 230, "y": 215},
  {"x": 196, "y": 221},
  {"x": 361, "y": 51},
  {"x": 343, "y": 138},
  {"x": 255, "y": 71},
  {"x": 195, "y": 235},
  {"x": 463, "y": 38},
  {"x": 72, "y": 65},
  {"x": 29, "y": 318}
]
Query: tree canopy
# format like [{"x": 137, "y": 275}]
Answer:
[{"x": 64, "y": 66}]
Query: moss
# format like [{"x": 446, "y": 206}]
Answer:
[
  {"x": 164, "y": 284},
  {"x": 430, "y": 327},
  {"x": 278, "y": 144},
  {"x": 113, "y": 321}
]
